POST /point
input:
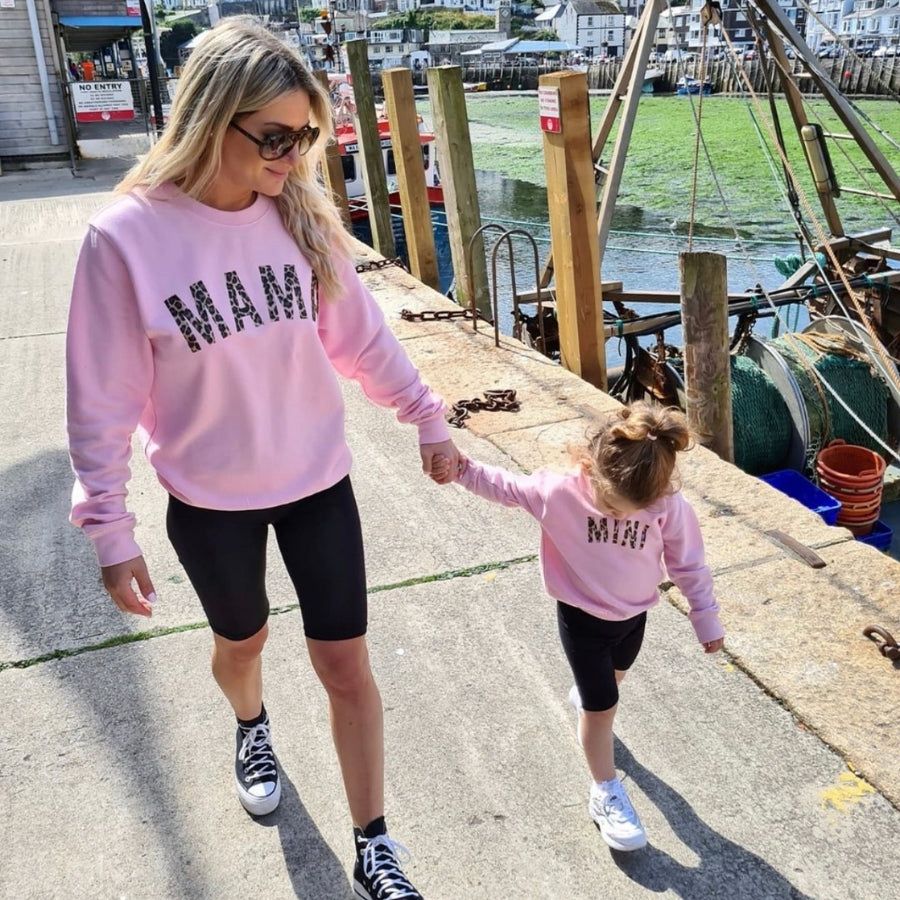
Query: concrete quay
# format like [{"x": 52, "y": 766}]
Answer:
[{"x": 770, "y": 771}]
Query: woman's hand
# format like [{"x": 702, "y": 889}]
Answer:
[
  {"x": 442, "y": 471},
  {"x": 118, "y": 579},
  {"x": 714, "y": 646}
]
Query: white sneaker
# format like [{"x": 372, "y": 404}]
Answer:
[{"x": 616, "y": 818}]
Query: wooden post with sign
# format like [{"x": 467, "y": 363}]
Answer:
[
  {"x": 400, "y": 102},
  {"x": 451, "y": 128},
  {"x": 571, "y": 200},
  {"x": 370, "y": 150},
  {"x": 332, "y": 168},
  {"x": 707, "y": 361}
]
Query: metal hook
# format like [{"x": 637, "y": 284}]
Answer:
[{"x": 888, "y": 646}]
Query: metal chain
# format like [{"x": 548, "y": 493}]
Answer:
[
  {"x": 888, "y": 646},
  {"x": 374, "y": 264},
  {"x": 436, "y": 315},
  {"x": 499, "y": 400}
]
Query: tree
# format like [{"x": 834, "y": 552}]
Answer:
[{"x": 169, "y": 41}]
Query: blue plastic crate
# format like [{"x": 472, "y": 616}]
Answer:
[
  {"x": 792, "y": 483},
  {"x": 880, "y": 536}
]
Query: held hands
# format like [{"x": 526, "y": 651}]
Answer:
[
  {"x": 714, "y": 646},
  {"x": 439, "y": 461},
  {"x": 450, "y": 473},
  {"x": 117, "y": 581}
]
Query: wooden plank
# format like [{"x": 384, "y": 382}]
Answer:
[
  {"x": 370, "y": 152},
  {"x": 400, "y": 103},
  {"x": 451, "y": 128},
  {"x": 571, "y": 202},
  {"x": 707, "y": 362}
]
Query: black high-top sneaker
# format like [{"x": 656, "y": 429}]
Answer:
[
  {"x": 377, "y": 874},
  {"x": 255, "y": 770}
]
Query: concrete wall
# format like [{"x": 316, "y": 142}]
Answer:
[{"x": 24, "y": 128}]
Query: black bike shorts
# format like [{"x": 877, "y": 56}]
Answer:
[
  {"x": 223, "y": 553},
  {"x": 596, "y": 648}
]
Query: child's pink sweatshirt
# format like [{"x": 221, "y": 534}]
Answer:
[
  {"x": 201, "y": 329},
  {"x": 610, "y": 568}
]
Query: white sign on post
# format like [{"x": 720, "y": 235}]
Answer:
[
  {"x": 548, "y": 109},
  {"x": 102, "y": 101}
]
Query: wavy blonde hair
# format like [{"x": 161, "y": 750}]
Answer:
[
  {"x": 632, "y": 452},
  {"x": 237, "y": 68}
]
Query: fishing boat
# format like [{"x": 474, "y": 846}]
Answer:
[
  {"x": 687, "y": 84},
  {"x": 348, "y": 145}
]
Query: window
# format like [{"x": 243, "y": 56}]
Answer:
[
  {"x": 349, "y": 164},
  {"x": 390, "y": 165}
]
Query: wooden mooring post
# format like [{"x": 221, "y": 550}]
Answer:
[
  {"x": 707, "y": 361},
  {"x": 571, "y": 202},
  {"x": 332, "y": 168},
  {"x": 370, "y": 148},
  {"x": 400, "y": 103},
  {"x": 451, "y": 128}
]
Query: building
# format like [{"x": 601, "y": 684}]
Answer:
[
  {"x": 596, "y": 26},
  {"x": 39, "y": 90}
]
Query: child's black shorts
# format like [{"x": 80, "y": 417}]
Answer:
[
  {"x": 320, "y": 539},
  {"x": 596, "y": 648}
]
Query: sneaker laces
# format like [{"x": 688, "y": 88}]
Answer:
[
  {"x": 381, "y": 863},
  {"x": 617, "y": 807},
  {"x": 256, "y": 754}
]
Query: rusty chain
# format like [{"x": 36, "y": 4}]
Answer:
[
  {"x": 888, "y": 646},
  {"x": 499, "y": 400},
  {"x": 373, "y": 265},
  {"x": 436, "y": 315}
]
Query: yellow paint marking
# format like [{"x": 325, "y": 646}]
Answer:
[
  {"x": 849, "y": 790},
  {"x": 490, "y": 576}
]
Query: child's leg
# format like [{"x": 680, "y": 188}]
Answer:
[{"x": 600, "y": 653}]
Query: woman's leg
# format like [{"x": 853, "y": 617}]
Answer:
[
  {"x": 357, "y": 722},
  {"x": 237, "y": 668}
]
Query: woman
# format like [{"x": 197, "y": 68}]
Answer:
[{"x": 211, "y": 305}]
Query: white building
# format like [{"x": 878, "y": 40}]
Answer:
[{"x": 597, "y": 26}]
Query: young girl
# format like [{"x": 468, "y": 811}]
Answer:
[{"x": 607, "y": 529}]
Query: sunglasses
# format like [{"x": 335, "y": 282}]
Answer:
[{"x": 274, "y": 146}]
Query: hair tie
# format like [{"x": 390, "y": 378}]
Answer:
[{"x": 651, "y": 437}]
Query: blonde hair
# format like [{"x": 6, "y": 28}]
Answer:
[
  {"x": 632, "y": 452},
  {"x": 237, "y": 68}
]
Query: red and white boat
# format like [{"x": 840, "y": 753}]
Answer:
[{"x": 348, "y": 143}]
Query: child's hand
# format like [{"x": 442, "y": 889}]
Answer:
[
  {"x": 714, "y": 646},
  {"x": 441, "y": 469}
]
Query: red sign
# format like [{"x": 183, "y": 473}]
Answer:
[
  {"x": 548, "y": 109},
  {"x": 102, "y": 101}
]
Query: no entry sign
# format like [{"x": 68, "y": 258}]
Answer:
[
  {"x": 548, "y": 109},
  {"x": 102, "y": 101}
]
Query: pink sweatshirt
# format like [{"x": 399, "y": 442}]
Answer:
[
  {"x": 610, "y": 568},
  {"x": 201, "y": 329}
]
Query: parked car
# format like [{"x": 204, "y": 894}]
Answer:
[
  {"x": 752, "y": 53},
  {"x": 887, "y": 50}
]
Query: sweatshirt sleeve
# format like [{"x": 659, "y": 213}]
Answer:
[
  {"x": 685, "y": 563},
  {"x": 109, "y": 372},
  {"x": 504, "y": 487},
  {"x": 362, "y": 347}
]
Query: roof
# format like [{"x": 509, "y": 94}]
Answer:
[
  {"x": 519, "y": 45},
  {"x": 84, "y": 34},
  {"x": 595, "y": 7},
  {"x": 550, "y": 13}
]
